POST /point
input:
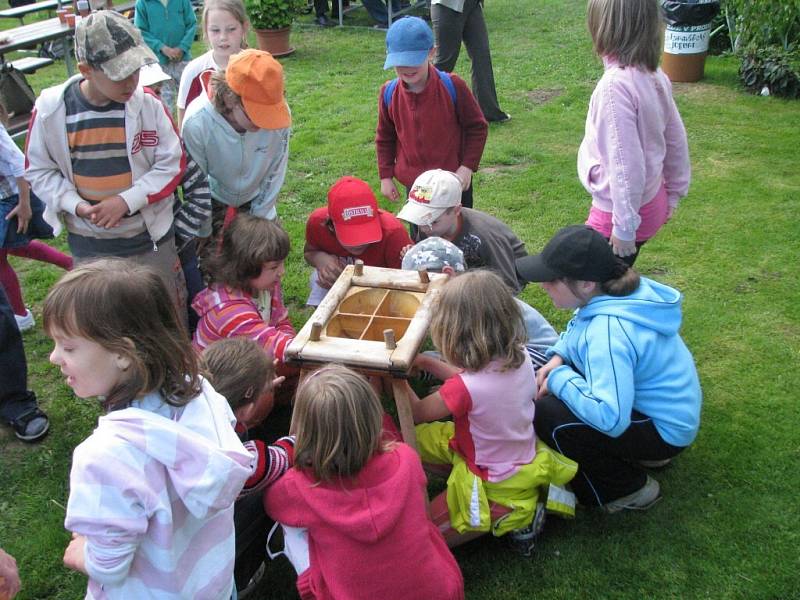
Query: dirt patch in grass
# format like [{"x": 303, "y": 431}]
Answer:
[
  {"x": 494, "y": 169},
  {"x": 543, "y": 95}
]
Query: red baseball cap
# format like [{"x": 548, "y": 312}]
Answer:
[{"x": 354, "y": 212}]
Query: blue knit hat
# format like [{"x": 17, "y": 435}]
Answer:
[{"x": 408, "y": 42}]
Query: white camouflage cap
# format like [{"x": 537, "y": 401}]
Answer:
[
  {"x": 434, "y": 254},
  {"x": 106, "y": 40}
]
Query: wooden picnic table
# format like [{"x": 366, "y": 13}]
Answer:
[
  {"x": 38, "y": 33},
  {"x": 19, "y": 12}
]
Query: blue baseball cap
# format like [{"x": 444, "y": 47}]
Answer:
[{"x": 408, "y": 42}]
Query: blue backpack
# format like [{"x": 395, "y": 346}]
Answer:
[{"x": 388, "y": 91}]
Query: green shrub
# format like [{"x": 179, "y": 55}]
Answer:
[
  {"x": 772, "y": 67},
  {"x": 272, "y": 14},
  {"x": 766, "y": 35}
]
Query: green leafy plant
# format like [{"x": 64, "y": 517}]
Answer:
[
  {"x": 272, "y": 14},
  {"x": 773, "y": 68}
]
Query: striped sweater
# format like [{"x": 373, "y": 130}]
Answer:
[
  {"x": 152, "y": 490},
  {"x": 228, "y": 313}
]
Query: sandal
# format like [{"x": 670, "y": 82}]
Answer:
[{"x": 31, "y": 426}]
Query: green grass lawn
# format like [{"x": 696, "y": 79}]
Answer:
[{"x": 729, "y": 521}]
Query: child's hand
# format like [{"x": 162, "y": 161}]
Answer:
[
  {"x": 405, "y": 249},
  {"x": 9, "y": 576},
  {"x": 23, "y": 213},
  {"x": 173, "y": 54},
  {"x": 464, "y": 175},
  {"x": 328, "y": 268},
  {"x": 276, "y": 383},
  {"x": 73, "y": 555},
  {"x": 543, "y": 372},
  {"x": 108, "y": 212},
  {"x": 622, "y": 248},
  {"x": 389, "y": 189}
]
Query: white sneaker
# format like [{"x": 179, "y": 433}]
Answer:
[
  {"x": 641, "y": 499},
  {"x": 26, "y": 321}
]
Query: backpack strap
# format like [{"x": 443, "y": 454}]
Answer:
[{"x": 444, "y": 77}]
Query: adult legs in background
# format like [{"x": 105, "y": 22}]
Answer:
[
  {"x": 18, "y": 405},
  {"x": 377, "y": 10},
  {"x": 608, "y": 468},
  {"x": 451, "y": 28}
]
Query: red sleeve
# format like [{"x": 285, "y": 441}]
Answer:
[
  {"x": 456, "y": 396},
  {"x": 385, "y": 139},
  {"x": 395, "y": 239},
  {"x": 319, "y": 237},
  {"x": 474, "y": 127}
]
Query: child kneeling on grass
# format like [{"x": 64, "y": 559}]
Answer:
[
  {"x": 497, "y": 469},
  {"x": 244, "y": 373},
  {"x": 245, "y": 297},
  {"x": 361, "y": 501},
  {"x": 620, "y": 392},
  {"x": 152, "y": 488}
]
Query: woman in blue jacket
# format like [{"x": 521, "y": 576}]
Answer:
[{"x": 620, "y": 391}]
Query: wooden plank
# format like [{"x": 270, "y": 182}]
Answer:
[
  {"x": 20, "y": 11},
  {"x": 29, "y": 64},
  {"x": 404, "y": 414}
]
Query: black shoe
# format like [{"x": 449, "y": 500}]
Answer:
[
  {"x": 323, "y": 21},
  {"x": 504, "y": 119},
  {"x": 523, "y": 540},
  {"x": 31, "y": 426}
]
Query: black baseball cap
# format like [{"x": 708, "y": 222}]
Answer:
[{"x": 574, "y": 252}]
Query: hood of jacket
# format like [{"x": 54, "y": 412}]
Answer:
[
  {"x": 215, "y": 295},
  {"x": 203, "y": 457},
  {"x": 52, "y": 99},
  {"x": 374, "y": 500},
  {"x": 653, "y": 305}
]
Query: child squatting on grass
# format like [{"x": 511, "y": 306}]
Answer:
[
  {"x": 244, "y": 373},
  {"x": 354, "y": 506},
  {"x": 152, "y": 488},
  {"x": 497, "y": 469},
  {"x": 620, "y": 392},
  {"x": 634, "y": 158}
]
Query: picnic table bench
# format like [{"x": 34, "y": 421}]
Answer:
[
  {"x": 391, "y": 14},
  {"x": 29, "y": 64},
  {"x": 19, "y": 12}
]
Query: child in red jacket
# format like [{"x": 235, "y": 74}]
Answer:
[
  {"x": 427, "y": 119},
  {"x": 354, "y": 507}
]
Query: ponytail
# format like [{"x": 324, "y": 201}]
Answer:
[{"x": 625, "y": 283}]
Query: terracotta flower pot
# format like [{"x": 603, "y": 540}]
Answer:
[{"x": 274, "y": 41}]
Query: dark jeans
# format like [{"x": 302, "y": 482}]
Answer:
[
  {"x": 252, "y": 526},
  {"x": 15, "y": 397},
  {"x": 608, "y": 467},
  {"x": 377, "y": 10},
  {"x": 194, "y": 280}
]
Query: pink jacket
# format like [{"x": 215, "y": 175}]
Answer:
[
  {"x": 228, "y": 313},
  {"x": 369, "y": 536},
  {"x": 634, "y": 141}
]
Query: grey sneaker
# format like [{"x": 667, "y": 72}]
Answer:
[
  {"x": 25, "y": 321},
  {"x": 641, "y": 499},
  {"x": 523, "y": 540}
]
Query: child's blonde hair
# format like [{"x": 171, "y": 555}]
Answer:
[
  {"x": 337, "y": 419},
  {"x": 629, "y": 30},
  {"x": 234, "y": 7},
  {"x": 239, "y": 369},
  {"x": 125, "y": 307},
  {"x": 248, "y": 243},
  {"x": 476, "y": 321}
]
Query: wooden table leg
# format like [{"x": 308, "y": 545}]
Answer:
[{"x": 403, "y": 403}]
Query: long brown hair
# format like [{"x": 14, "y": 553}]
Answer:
[
  {"x": 125, "y": 307},
  {"x": 476, "y": 321}
]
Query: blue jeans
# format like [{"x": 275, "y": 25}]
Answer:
[
  {"x": 377, "y": 10},
  {"x": 15, "y": 397}
]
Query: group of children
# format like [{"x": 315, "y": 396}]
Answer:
[{"x": 168, "y": 494}]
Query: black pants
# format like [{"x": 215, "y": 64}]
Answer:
[
  {"x": 15, "y": 397},
  {"x": 607, "y": 467}
]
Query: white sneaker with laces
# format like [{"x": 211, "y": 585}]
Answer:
[
  {"x": 26, "y": 321},
  {"x": 641, "y": 499}
]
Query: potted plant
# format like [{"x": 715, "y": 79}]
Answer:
[{"x": 272, "y": 21}]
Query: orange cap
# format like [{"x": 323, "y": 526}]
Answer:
[{"x": 257, "y": 79}]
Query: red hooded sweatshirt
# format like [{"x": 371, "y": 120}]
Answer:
[{"x": 370, "y": 536}]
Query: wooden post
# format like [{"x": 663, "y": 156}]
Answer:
[
  {"x": 388, "y": 338},
  {"x": 404, "y": 414},
  {"x": 316, "y": 331},
  {"x": 423, "y": 276},
  {"x": 358, "y": 269}
]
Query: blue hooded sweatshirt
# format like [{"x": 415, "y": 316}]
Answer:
[{"x": 623, "y": 353}]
